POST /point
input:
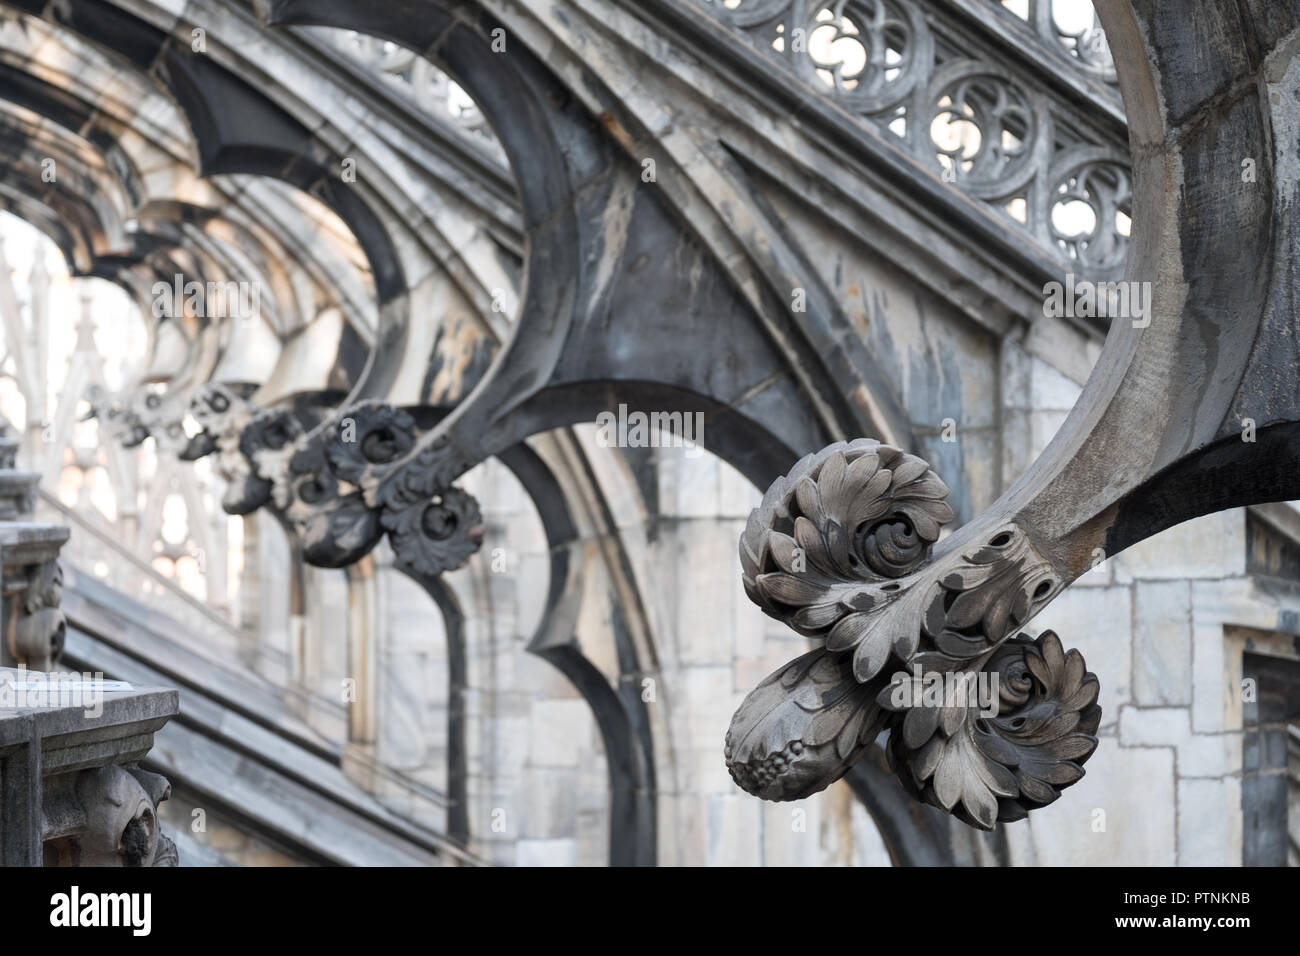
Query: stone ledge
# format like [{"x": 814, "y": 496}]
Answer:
[{"x": 71, "y": 793}]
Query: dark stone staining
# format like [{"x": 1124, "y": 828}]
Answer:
[
  {"x": 438, "y": 521},
  {"x": 351, "y": 361},
  {"x": 1266, "y": 764},
  {"x": 1269, "y": 21},
  {"x": 475, "y": 366},
  {"x": 1182, "y": 33},
  {"x": 1269, "y": 553},
  {"x": 1227, "y": 474},
  {"x": 135, "y": 842},
  {"x": 642, "y": 461}
]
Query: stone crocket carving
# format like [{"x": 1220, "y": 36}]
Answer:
[
  {"x": 324, "y": 483},
  {"x": 432, "y": 525},
  {"x": 839, "y": 549}
]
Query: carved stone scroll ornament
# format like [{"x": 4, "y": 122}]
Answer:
[
  {"x": 130, "y": 416},
  {"x": 324, "y": 482},
  {"x": 269, "y": 442},
  {"x": 221, "y": 412},
  {"x": 161, "y": 416},
  {"x": 321, "y": 483},
  {"x": 40, "y": 628},
  {"x": 840, "y": 549},
  {"x": 432, "y": 526},
  {"x": 107, "y": 816},
  {"x": 117, "y": 416}
]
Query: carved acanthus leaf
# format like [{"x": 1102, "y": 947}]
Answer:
[
  {"x": 221, "y": 414},
  {"x": 986, "y": 767},
  {"x": 269, "y": 442},
  {"x": 802, "y": 728},
  {"x": 840, "y": 549},
  {"x": 432, "y": 530},
  {"x": 367, "y": 437},
  {"x": 115, "y": 415},
  {"x": 836, "y": 539}
]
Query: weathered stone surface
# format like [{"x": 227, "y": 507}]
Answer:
[
  {"x": 74, "y": 795},
  {"x": 797, "y": 270},
  {"x": 1162, "y": 651},
  {"x": 1100, "y": 822},
  {"x": 1212, "y": 547},
  {"x": 1209, "y": 822}
]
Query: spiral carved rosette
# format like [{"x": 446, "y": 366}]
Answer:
[
  {"x": 117, "y": 416},
  {"x": 221, "y": 413},
  {"x": 368, "y": 437},
  {"x": 130, "y": 417},
  {"x": 1038, "y": 730},
  {"x": 984, "y": 722},
  {"x": 432, "y": 528},
  {"x": 346, "y": 483},
  {"x": 268, "y": 442}
]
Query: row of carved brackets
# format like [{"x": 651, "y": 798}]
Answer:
[
  {"x": 1155, "y": 439},
  {"x": 232, "y": 425}
]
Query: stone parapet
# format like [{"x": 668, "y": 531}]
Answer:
[{"x": 71, "y": 790}]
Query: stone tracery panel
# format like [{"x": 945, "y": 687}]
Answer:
[
  {"x": 1071, "y": 30},
  {"x": 962, "y": 110},
  {"x": 416, "y": 77}
]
